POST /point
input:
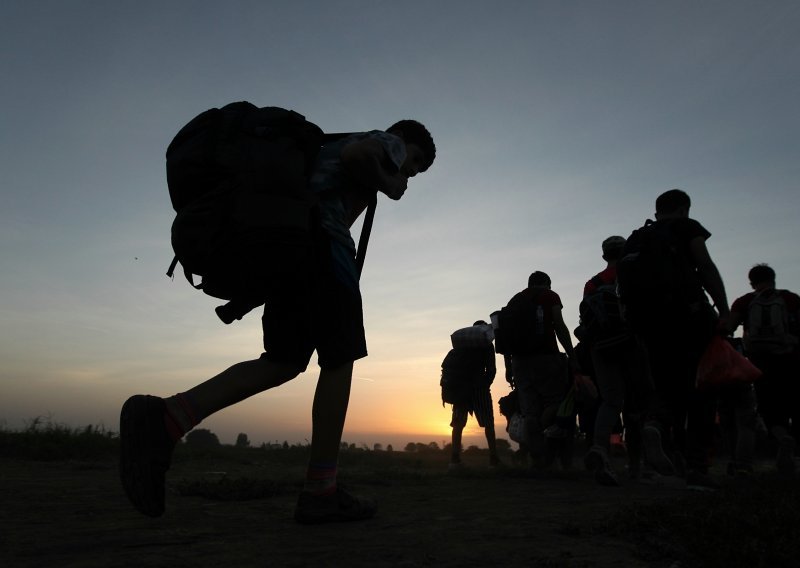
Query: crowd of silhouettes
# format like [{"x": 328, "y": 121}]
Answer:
[{"x": 630, "y": 384}]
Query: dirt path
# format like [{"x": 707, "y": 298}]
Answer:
[{"x": 74, "y": 514}]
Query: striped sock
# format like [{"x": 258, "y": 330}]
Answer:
[
  {"x": 181, "y": 416},
  {"x": 320, "y": 478}
]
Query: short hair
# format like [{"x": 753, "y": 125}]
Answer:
[
  {"x": 480, "y": 322},
  {"x": 613, "y": 247},
  {"x": 413, "y": 132},
  {"x": 538, "y": 278},
  {"x": 761, "y": 273},
  {"x": 672, "y": 200}
]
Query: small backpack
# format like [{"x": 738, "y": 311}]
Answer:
[
  {"x": 768, "y": 325},
  {"x": 654, "y": 281},
  {"x": 461, "y": 372},
  {"x": 520, "y": 326},
  {"x": 238, "y": 182},
  {"x": 601, "y": 314}
]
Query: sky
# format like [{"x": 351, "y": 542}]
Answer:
[{"x": 557, "y": 124}]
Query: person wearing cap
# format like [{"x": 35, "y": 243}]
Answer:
[{"x": 620, "y": 369}]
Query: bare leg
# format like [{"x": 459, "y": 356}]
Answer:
[
  {"x": 491, "y": 440},
  {"x": 329, "y": 412},
  {"x": 239, "y": 382},
  {"x": 456, "y": 444}
]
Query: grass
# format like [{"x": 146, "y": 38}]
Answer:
[
  {"x": 45, "y": 440},
  {"x": 749, "y": 522}
]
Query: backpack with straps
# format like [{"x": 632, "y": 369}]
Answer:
[
  {"x": 462, "y": 370},
  {"x": 768, "y": 325},
  {"x": 654, "y": 281},
  {"x": 238, "y": 181},
  {"x": 520, "y": 326},
  {"x": 601, "y": 314}
]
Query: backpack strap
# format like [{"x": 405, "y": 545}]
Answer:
[
  {"x": 597, "y": 281},
  {"x": 172, "y": 265},
  {"x": 366, "y": 229}
]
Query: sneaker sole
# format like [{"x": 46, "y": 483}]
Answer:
[
  {"x": 140, "y": 478},
  {"x": 654, "y": 452},
  {"x": 593, "y": 461},
  {"x": 606, "y": 478}
]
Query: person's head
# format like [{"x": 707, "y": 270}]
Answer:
[
  {"x": 673, "y": 203},
  {"x": 538, "y": 280},
  {"x": 420, "y": 149},
  {"x": 612, "y": 248},
  {"x": 761, "y": 276},
  {"x": 480, "y": 322}
]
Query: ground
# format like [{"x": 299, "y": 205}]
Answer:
[{"x": 73, "y": 514}]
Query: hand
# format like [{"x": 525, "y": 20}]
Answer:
[{"x": 395, "y": 186}]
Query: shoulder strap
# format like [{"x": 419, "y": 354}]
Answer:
[
  {"x": 366, "y": 228},
  {"x": 597, "y": 281}
]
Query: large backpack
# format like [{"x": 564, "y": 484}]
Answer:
[
  {"x": 238, "y": 181},
  {"x": 601, "y": 314},
  {"x": 520, "y": 326},
  {"x": 654, "y": 280},
  {"x": 768, "y": 326},
  {"x": 462, "y": 370}
]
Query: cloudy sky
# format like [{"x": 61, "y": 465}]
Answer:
[{"x": 557, "y": 124}]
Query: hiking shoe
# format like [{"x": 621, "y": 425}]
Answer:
[
  {"x": 496, "y": 464},
  {"x": 739, "y": 469},
  {"x": 596, "y": 462},
  {"x": 700, "y": 481},
  {"x": 785, "y": 459},
  {"x": 654, "y": 452},
  {"x": 337, "y": 507},
  {"x": 145, "y": 452},
  {"x": 634, "y": 470},
  {"x": 555, "y": 432},
  {"x": 594, "y": 459},
  {"x": 679, "y": 464},
  {"x": 455, "y": 466}
]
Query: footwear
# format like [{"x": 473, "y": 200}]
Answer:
[
  {"x": 700, "y": 481},
  {"x": 455, "y": 466},
  {"x": 654, "y": 452},
  {"x": 555, "y": 432},
  {"x": 739, "y": 469},
  {"x": 679, "y": 464},
  {"x": 785, "y": 459},
  {"x": 597, "y": 462},
  {"x": 145, "y": 453},
  {"x": 340, "y": 506}
]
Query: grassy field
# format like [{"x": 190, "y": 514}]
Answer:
[{"x": 753, "y": 521}]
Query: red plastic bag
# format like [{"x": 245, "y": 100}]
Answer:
[{"x": 721, "y": 365}]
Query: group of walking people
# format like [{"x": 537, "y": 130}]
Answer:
[{"x": 647, "y": 319}]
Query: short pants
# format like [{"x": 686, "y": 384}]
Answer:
[
  {"x": 319, "y": 312},
  {"x": 480, "y": 405}
]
